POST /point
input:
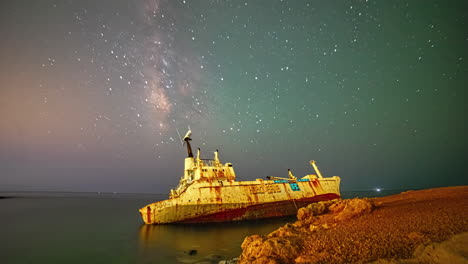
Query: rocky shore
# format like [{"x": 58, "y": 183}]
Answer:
[{"x": 427, "y": 226}]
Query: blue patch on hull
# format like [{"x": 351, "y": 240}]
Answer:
[{"x": 294, "y": 186}]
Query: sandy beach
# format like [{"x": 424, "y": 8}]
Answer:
[{"x": 424, "y": 226}]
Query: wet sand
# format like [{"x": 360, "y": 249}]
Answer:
[{"x": 386, "y": 229}]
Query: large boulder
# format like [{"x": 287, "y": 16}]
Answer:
[
  {"x": 313, "y": 209},
  {"x": 269, "y": 250},
  {"x": 347, "y": 209},
  {"x": 285, "y": 244}
]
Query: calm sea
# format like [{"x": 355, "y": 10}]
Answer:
[{"x": 107, "y": 228}]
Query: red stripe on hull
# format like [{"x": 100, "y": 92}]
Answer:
[{"x": 260, "y": 211}]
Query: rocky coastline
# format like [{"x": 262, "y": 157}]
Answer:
[{"x": 426, "y": 226}]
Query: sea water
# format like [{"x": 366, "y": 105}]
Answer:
[{"x": 107, "y": 228}]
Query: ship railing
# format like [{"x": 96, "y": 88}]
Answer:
[{"x": 209, "y": 162}]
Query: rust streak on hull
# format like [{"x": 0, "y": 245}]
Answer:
[{"x": 260, "y": 211}]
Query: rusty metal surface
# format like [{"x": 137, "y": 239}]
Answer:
[{"x": 216, "y": 201}]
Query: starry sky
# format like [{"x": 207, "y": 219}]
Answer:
[{"x": 92, "y": 93}]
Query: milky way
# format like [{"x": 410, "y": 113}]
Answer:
[
  {"x": 170, "y": 72},
  {"x": 151, "y": 64}
]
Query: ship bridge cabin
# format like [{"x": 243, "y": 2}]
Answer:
[
  {"x": 197, "y": 169},
  {"x": 208, "y": 169}
]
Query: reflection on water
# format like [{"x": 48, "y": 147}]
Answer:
[{"x": 212, "y": 242}]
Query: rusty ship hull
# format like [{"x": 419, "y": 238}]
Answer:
[
  {"x": 216, "y": 209},
  {"x": 208, "y": 192}
]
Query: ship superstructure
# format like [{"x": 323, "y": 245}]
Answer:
[{"x": 208, "y": 192}]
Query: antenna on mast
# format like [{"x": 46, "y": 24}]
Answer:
[{"x": 181, "y": 142}]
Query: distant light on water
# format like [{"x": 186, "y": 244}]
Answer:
[{"x": 377, "y": 189}]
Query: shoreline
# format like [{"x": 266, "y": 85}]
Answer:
[{"x": 401, "y": 228}]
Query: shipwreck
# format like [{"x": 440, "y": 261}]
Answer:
[{"x": 208, "y": 192}]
